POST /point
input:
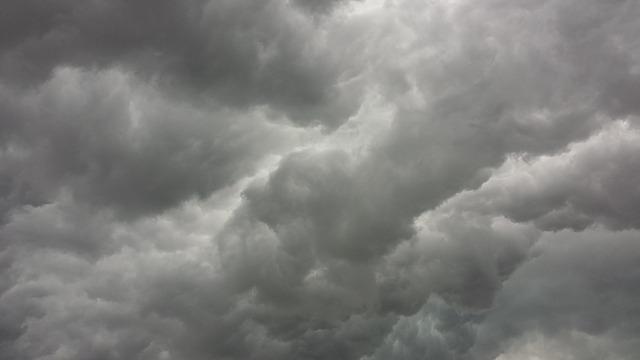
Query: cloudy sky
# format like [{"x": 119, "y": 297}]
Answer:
[{"x": 320, "y": 179}]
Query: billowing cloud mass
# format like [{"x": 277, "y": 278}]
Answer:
[{"x": 298, "y": 179}]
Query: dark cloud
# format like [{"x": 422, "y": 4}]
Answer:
[
  {"x": 459, "y": 181},
  {"x": 318, "y": 6},
  {"x": 577, "y": 285},
  {"x": 112, "y": 141},
  {"x": 437, "y": 331},
  {"x": 589, "y": 183},
  {"x": 241, "y": 53}
]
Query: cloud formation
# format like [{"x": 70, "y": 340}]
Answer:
[{"x": 319, "y": 179}]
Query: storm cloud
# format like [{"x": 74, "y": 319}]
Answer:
[{"x": 296, "y": 179}]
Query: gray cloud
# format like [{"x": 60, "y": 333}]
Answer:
[
  {"x": 591, "y": 182},
  {"x": 112, "y": 141},
  {"x": 319, "y": 180},
  {"x": 436, "y": 331},
  {"x": 241, "y": 53},
  {"x": 577, "y": 285},
  {"x": 318, "y": 6}
]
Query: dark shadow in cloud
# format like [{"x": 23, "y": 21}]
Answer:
[
  {"x": 114, "y": 142},
  {"x": 319, "y": 6},
  {"x": 320, "y": 202},
  {"x": 243, "y": 53}
]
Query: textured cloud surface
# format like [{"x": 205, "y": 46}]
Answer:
[{"x": 311, "y": 179}]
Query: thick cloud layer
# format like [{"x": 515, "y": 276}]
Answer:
[
  {"x": 242, "y": 53},
  {"x": 359, "y": 179}
]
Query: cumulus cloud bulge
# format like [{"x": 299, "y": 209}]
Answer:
[{"x": 320, "y": 179}]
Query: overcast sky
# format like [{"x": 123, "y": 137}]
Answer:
[{"x": 320, "y": 179}]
